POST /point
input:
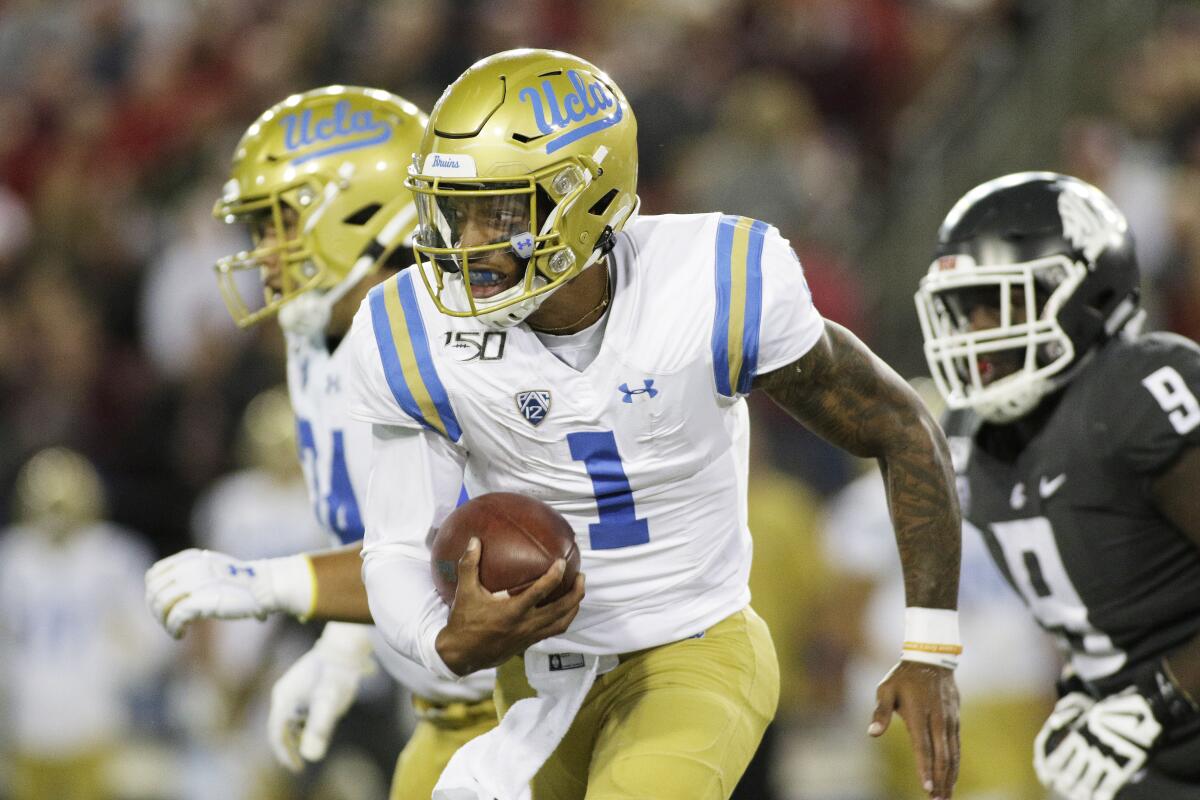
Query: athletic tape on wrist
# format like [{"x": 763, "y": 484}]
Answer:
[
  {"x": 931, "y": 637},
  {"x": 293, "y": 581}
]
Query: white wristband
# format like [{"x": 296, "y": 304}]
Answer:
[
  {"x": 292, "y": 584},
  {"x": 931, "y": 637}
]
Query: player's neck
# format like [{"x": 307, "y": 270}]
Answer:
[
  {"x": 575, "y": 306},
  {"x": 1006, "y": 442},
  {"x": 342, "y": 313}
]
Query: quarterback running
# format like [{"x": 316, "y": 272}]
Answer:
[
  {"x": 318, "y": 180},
  {"x": 551, "y": 342},
  {"x": 1077, "y": 439}
]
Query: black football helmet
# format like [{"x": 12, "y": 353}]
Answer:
[{"x": 1032, "y": 272}]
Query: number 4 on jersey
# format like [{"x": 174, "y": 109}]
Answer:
[{"x": 341, "y": 507}]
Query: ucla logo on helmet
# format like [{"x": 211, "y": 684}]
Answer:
[
  {"x": 336, "y": 132},
  {"x": 588, "y": 101}
]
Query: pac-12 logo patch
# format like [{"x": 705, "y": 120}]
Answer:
[{"x": 534, "y": 405}]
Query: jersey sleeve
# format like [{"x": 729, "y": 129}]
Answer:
[
  {"x": 1159, "y": 414},
  {"x": 416, "y": 480},
  {"x": 764, "y": 316},
  {"x": 394, "y": 378}
]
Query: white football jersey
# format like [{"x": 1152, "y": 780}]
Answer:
[
  {"x": 335, "y": 452},
  {"x": 644, "y": 450},
  {"x": 75, "y": 637}
]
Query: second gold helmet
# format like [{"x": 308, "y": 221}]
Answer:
[{"x": 319, "y": 179}]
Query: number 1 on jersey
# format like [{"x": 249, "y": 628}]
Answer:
[{"x": 619, "y": 525}]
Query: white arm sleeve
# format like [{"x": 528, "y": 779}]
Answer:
[{"x": 416, "y": 478}]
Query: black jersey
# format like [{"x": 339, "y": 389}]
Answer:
[{"x": 1068, "y": 516}]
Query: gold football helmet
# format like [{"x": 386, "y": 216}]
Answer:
[
  {"x": 318, "y": 178},
  {"x": 58, "y": 491},
  {"x": 527, "y": 169},
  {"x": 267, "y": 439}
]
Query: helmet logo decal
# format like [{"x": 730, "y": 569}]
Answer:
[
  {"x": 523, "y": 244},
  {"x": 1083, "y": 225},
  {"x": 342, "y": 130},
  {"x": 458, "y": 166},
  {"x": 585, "y": 103}
]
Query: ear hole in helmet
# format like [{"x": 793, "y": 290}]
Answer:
[
  {"x": 601, "y": 205},
  {"x": 363, "y": 215}
]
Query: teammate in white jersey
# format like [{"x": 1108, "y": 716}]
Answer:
[
  {"x": 550, "y": 342},
  {"x": 318, "y": 179},
  {"x": 73, "y": 639}
]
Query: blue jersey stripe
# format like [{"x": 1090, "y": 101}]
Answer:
[
  {"x": 720, "y": 335},
  {"x": 420, "y": 344},
  {"x": 753, "y": 314},
  {"x": 392, "y": 370}
]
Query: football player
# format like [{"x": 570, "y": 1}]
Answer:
[
  {"x": 74, "y": 640},
  {"x": 605, "y": 366},
  {"x": 1077, "y": 444},
  {"x": 318, "y": 180}
]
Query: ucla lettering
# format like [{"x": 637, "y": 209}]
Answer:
[
  {"x": 341, "y": 130},
  {"x": 586, "y": 101}
]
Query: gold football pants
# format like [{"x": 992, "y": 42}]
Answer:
[
  {"x": 676, "y": 722},
  {"x": 73, "y": 778},
  {"x": 440, "y": 731}
]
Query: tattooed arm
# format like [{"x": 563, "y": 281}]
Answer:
[{"x": 844, "y": 393}]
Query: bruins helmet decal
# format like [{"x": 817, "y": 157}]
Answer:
[
  {"x": 318, "y": 179},
  {"x": 527, "y": 169}
]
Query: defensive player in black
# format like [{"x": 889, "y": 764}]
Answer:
[{"x": 1077, "y": 444}]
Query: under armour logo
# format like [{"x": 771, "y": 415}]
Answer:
[
  {"x": 333, "y": 384},
  {"x": 234, "y": 569},
  {"x": 647, "y": 390}
]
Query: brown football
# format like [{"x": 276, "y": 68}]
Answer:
[{"x": 520, "y": 536}]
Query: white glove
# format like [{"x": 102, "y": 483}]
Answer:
[
  {"x": 203, "y": 584},
  {"x": 1099, "y": 746},
  {"x": 310, "y": 698}
]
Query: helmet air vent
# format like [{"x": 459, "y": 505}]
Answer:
[
  {"x": 363, "y": 215},
  {"x": 600, "y": 206}
]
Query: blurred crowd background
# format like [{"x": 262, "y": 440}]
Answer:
[{"x": 853, "y": 125}]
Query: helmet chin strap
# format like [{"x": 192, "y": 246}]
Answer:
[{"x": 308, "y": 314}]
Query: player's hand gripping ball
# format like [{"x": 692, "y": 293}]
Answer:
[{"x": 520, "y": 538}]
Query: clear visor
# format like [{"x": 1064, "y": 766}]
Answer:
[
  {"x": 486, "y": 244},
  {"x": 474, "y": 219}
]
